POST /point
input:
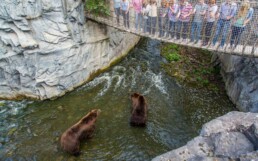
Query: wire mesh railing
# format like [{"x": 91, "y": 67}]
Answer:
[{"x": 207, "y": 35}]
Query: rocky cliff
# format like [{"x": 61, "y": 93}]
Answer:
[
  {"x": 232, "y": 137},
  {"x": 241, "y": 80},
  {"x": 47, "y": 48}
]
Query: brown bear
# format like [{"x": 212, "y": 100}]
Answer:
[
  {"x": 83, "y": 129},
  {"x": 139, "y": 110}
]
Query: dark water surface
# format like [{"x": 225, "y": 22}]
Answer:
[{"x": 31, "y": 130}]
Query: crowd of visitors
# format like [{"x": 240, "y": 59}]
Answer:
[{"x": 180, "y": 20}]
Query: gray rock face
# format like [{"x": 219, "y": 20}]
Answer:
[
  {"x": 241, "y": 79},
  {"x": 231, "y": 144},
  {"x": 47, "y": 48},
  {"x": 222, "y": 139}
]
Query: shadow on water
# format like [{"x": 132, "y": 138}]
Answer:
[{"x": 31, "y": 130}]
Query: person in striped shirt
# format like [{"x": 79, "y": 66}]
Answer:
[
  {"x": 185, "y": 11},
  {"x": 173, "y": 13}
]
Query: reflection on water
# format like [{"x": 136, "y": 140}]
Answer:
[{"x": 31, "y": 130}]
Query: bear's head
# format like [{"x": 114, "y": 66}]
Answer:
[
  {"x": 135, "y": 99},
  {"x": 91, "y": 117}
]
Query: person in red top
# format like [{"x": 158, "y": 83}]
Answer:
[{"x": 185, "y": 11}]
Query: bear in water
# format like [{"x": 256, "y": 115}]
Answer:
[
  {"x": 83, "y": 129},
  {"x": 139, "y": 110}
]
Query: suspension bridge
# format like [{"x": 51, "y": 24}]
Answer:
[{"x": 247, "y": 46}]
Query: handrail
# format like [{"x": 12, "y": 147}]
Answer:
[{"x": 247, "y": 45}]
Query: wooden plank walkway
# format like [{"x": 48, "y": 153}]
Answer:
[{"x": 240, "y": 50}]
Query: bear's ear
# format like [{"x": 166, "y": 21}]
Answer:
[
  {"x": 90, "y": 116},
  {"x": 135, "y": 95}
]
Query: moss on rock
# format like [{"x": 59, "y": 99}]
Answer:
[{"x": 191, "y": 66}]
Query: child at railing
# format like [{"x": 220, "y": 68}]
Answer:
[
  {"x": 117, "y": 9},
  {"x": 145, "y": 12},
  {"x": 152, "y": 20},
  {"x": 185, "y": 10},
  {"x": 173, "y": 13},
  {"x": 244, "y": 16},
  {"x": 226, "y": 13},
  {"x": 125, "y": 12},
  {"x": 210, "y": 19},
  {"x": 162, "y": 19},
  {"x": 199, "y": 11},
  {"x": 137, "y": 5}
]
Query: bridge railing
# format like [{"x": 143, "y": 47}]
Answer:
[{"x": 161, "y": 30}]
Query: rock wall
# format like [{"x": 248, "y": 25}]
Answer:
[
  {"x": 47, "y": 48},
  {"x": 233, "y": 136},
  {"x": 241, "y": 80}
]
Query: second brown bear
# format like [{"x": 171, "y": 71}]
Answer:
[
  {"x": 83, "y": 129},
  {"x": 139, "y": 110}
]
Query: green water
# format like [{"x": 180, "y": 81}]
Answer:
[{"x": 31, "y": 130}]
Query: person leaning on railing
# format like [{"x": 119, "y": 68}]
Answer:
[
  {"x": 244, "y": 16},
  {"x": 117, "y": 9},
  {"x": 173, "y": 13},
  {"x": 226, "y": 13},
  {"x": 199, "y": 11},
  {"x": 210, "y": 19},
  {"x": 185, "y": 11},
  {"x": 145, "y": 12},
  {"x": 137, "y": 5},
  {"x": 125, "y": 12},
  {"x": 163, "y": 10}
]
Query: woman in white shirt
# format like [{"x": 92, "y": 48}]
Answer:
[{"x": 152, "y": 17}]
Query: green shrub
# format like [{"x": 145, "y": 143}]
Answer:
[
  {"x": 98, "y": 7},
  {"x": 205, "y": 82},
  {"x": 174, "y": 46},
  {"x": 173, "y": 57}
]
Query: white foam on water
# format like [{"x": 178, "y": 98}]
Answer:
[
  {"x": 120, "y": 79},
  {"x": 133, "y": 75},
  {"x": 156, "y": 80},
  {"x": 108, "y": 83}
]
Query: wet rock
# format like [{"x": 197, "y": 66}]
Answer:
[
  {"x": 231, "y": 144},
  {"x": 28, "y": 131},
  {"x": 252, "y": 134},
  {"x": 199, "y": 146},
  {"x": 2, "y": 104},
  {"x": 202, "y": 158},
  {"x": 229, "y": 122},
  {"x": 60, "y": 108},
  {"x": 253, "y": 156},
  {"x": 12, "y": 131},
  {"x": 229, "y": 137}
]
